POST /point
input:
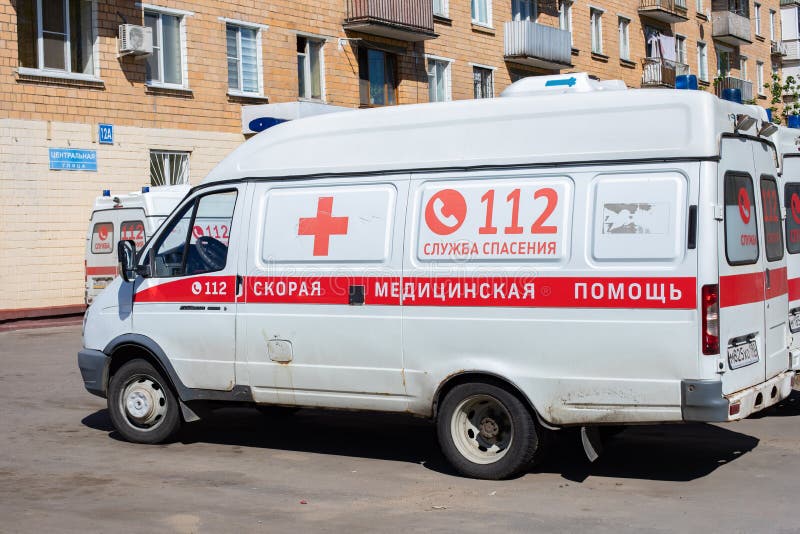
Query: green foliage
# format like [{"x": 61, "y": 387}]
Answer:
[{"x": 781, "y": 91}]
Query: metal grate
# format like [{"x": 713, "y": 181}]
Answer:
[{"x": 169, "y": 167}]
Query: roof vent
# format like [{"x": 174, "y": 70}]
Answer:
[{"x": 579, "y": 82}]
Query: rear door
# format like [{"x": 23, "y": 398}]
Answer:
[
  {"x": 741, "y": 270},
  {"x": 791, "y": 199},
  {"x": 776, "y": 303}
]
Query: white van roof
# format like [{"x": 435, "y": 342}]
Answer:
[
  {"x": 158, "y": 201},
  {"x": 787, "y": 140},
  {"x": 541, "y": 120}
]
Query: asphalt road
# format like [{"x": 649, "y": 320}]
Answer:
[{"x": 64, "y": 469}]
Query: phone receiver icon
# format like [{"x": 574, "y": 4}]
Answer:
[{"x": 438, "y": 210}]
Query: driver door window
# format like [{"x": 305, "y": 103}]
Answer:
[{"x": 197, "y": 241}]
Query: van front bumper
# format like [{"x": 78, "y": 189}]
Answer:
[
  {"x": 94, "y": 370},
  {"x": 703, "y": 401}
]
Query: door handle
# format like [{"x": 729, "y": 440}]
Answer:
[
  {"x": 192, "y": 308},
  {"x": 766, "y": 275}
]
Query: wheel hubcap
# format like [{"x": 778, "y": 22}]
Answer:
[
  {"x": 143, "y": 402},
  {"x": 481, "y": 429}
]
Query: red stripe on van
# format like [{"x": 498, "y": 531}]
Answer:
[
  {"x": 194, "y": 289},
  {"x": 778, "y": 283},
  {"x": 738, "y": 289},
  {"x": 99, "y": 271},
  {"x": 794, "y": 288},
  {"x": 561, "y": 292}
]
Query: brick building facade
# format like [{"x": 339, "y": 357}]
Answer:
[{"x": 61, "y": 75}]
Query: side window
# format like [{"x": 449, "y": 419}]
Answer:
[
  {"x": 741, "y": 232},
  {"x": 134, "y": 231},
  {"x": 315, "y": 225},
  {"x": 197, "y": 240},
  {"x": 792, "y": 199},
  {"x": 639, "y": 217},
  {"x": 103, "y": 238},
  {"x": 773, "y": 233}
]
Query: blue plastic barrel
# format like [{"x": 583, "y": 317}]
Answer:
[
  {"x": 686, "y": 81},
  {"x": 732, "y": 94},
  {"x": 793, "y": 121}
]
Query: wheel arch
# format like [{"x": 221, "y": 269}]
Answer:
[
  {"x": 486, "y": 377},
  {"x": 127, "y": 347}
]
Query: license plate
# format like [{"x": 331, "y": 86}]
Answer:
[
  {"x": 794, "y": 322},
  {"x": 100, "y": 284},
  {"x": 743, "y": 355}
]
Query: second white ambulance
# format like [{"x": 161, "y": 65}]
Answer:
[{"x": 570, "y": 254}]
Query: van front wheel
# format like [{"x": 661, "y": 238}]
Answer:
[
  {"x": 487, "y": 432},
  {"x": 141, "y": 404}
]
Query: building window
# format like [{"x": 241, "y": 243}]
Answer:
[
  {"x": 771, "y": 25},
  {"x": 723, "y": 61},
  {"x": 310, "y": 68},
  {"x": 524, "y": 10},
  {"x": 56, "y": 35},
  {"x": 482, "y": 82},
  {"x": 624, "y": 39},
  {"x": 698, "y": 5},
  {"x": 168, "y": 167},
  {"x": 680, "y": 50},
  {"x": 439, "y": 80},
  {"x": 165, "y": 64},
  {"x": 760, "y": 77},
  {"x": 377, "y": 77},
  {"x": 244, "y": 59},
  {"x": 702, "y": 61},
  {"x": 757, "y": 16},
  {"x": 743, "y": 68},
  {"x": 441, "y": 8},
  {"x": 597, "y": 30},
  {"x": 482, "y": 12},
  {"x": 565, "y": 17}
]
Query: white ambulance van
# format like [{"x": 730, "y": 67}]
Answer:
[
  {"x": 568, "y": 254},
  {"x": 134, "y": 216},
  {"x": 788, "y": 141}
]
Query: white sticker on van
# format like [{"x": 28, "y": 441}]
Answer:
[
  {"x": 328, "y": 224},
  {"x": 481, "y": 220}
]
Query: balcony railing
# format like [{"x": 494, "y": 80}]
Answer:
[
  {"x": 792, "y": 50},
  {"x": 730, "y": 27},
  {"x": 730, "y": 82},
  {"x": 658, "y": 72},
  {"x": 664, "y": 10},
  {"x": 538, "y": 45},
  {"x": 778, "y": 48},
  {"x": 406, "y": 20}
]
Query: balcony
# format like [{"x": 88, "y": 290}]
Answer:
[
  {"x": 778, "y": 48},
  {"x": 404, "y": 20},
  {"x": 792, "y": 50},
  {"x": 729, "y": 82},
  {"x": 664, "y": 10},
  {"x": 658, "y": 72},
  {"x": 537, "y": 45},
  {"x": 731, "y": 28}
]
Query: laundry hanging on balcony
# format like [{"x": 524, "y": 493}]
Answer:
[{"x": 661, "y": 46}]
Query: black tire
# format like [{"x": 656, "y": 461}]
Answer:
[
  {"x": 527, "y": 439},
  {"x": 141, "y": 379}
]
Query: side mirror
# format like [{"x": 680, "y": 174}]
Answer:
[{"x": 126, "y": 254}]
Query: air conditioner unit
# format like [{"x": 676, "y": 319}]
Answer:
[{"x": 135, "y": 40}]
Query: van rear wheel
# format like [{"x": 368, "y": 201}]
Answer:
[
  {"x": 487, "y": 432},
  {"x": 142, "y": 406}
]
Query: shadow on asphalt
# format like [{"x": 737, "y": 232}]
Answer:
[{"x": 677, "y": 453}]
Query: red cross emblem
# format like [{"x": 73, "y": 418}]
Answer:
[{"x": 323, "y": 226}]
